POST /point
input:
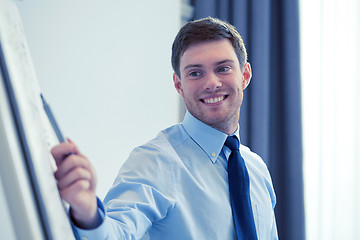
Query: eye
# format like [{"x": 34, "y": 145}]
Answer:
[
  {"x": 224, "y": 69},
  {"x": 194, "y": 73}
]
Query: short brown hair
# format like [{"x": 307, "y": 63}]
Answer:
[{"x": 202, "y": 30}]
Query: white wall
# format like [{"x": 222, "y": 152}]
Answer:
[{"x": 104, "y": 67}]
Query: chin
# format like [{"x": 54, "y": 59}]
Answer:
[{"x": 215, "y": 120}]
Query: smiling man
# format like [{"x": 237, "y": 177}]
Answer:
[
  {"x": 194, "y": 180},
  {"x": 212, "y": 83}
]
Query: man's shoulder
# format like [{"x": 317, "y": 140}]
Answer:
[
  {"x": 173, "y": 135},
  {"x": 253, "y": 160},
  {"x": 153, "y": 156},
  {"x": 164, "y": 140},
  {"x": 246, "y": 153}
]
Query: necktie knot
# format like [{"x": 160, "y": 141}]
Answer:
[{"x": 232, "y": 142}]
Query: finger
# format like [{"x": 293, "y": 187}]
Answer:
[
  {"x": 73, "y": 161},
  {"x": 61, "y": 151},
  {"x": 73, "y": 176},
  {"x": 91, "y": 169},
  {"x": 93, "y": 178},
  {"x": 73, "y": 194}
]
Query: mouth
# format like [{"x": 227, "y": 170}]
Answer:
[{"x": 214, "y": 100}]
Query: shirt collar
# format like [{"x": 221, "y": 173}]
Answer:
[{"x": 208, "y": 138}]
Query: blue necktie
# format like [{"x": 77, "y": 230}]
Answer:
[{"x": 239, "y": 188}]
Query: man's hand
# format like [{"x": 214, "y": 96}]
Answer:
[{"x": 77, "y": 184}]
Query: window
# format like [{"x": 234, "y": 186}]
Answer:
[{"x": 330, "y": 50}]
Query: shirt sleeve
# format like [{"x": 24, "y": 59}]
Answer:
[{"x": 142, "y": 193}]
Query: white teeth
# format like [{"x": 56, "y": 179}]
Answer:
[{"x": 214, "y": 100}]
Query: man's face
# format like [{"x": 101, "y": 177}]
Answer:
[{"x": 212, "y": 83}]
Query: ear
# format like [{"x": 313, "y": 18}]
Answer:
[
  {"x": 178, "y": 84},
  {"x": 246, "y": 75}
]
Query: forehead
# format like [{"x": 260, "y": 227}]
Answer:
[{"x": 207, "y": 52}]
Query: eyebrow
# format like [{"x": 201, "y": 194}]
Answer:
[
  {"x": 200, "y": 65},
  {"x": 192, "y": 66},
  {"x": 224, "y": 61}
]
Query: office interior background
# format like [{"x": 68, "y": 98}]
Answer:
[{"x": 104, "y": 67}]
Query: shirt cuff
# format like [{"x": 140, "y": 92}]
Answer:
[{"x": 95, "y": 233}]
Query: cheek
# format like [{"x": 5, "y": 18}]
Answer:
[{"x": 188, "y": 89}]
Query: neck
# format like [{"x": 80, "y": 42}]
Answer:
[{"x": 229, "y": 127}]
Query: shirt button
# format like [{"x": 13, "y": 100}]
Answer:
[
  {"x": 84, "y": 238},
  {"x": 213, "y": 154}
]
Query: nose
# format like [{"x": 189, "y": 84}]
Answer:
[{"x": 212, "y": 82}]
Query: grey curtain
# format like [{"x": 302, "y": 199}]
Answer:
[{"x": 270, "y": 119}]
